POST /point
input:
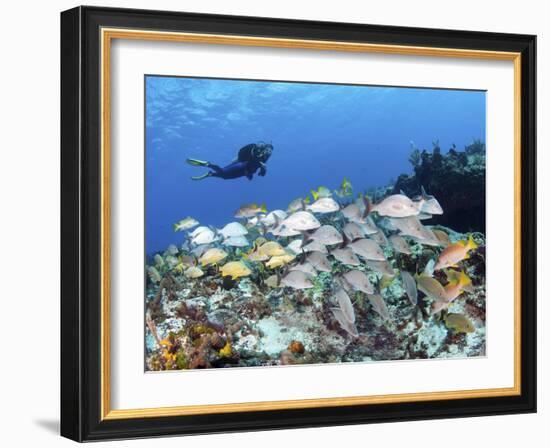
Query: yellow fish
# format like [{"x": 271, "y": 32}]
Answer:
[
  {"x": 346, "y": 189},
  {"x": 458, "y": 282},
  {"x": 271, "y": 249},
  {"x": 185, "y": 224},
  {"x": 459, "y": 323},
  {"x": 280, "y": 260},
  {"x": 235, "y": 269},
  {"x": 431, "y": 287},
  {"x": 194, "y": 272},
  {"x": 455, "y": 253},
  {"x": 212, "y": 256},
  {"x": 385, "y": 281}
]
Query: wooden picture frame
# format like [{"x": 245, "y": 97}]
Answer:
[{"x": 86, "y": 35}]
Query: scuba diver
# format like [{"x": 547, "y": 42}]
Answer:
[{"x": 250, "y": 159}]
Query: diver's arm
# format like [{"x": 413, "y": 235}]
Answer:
[{"x": 263, "y": 169}]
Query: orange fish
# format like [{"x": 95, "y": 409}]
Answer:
[
  {"x": 455, "y": 253},
  {"x": 458, "y": 282}
]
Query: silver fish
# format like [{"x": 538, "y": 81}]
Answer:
[
  {"x": 284, "y": 231},
  {"x": 400, "y": 245},
  {"x": 345, "y": 304},
  {"x": 198, "y": 230},
  {"x": 353, "y": 213},
  {"x": 305, "y": 267},
  {"x": 396, "y": 206},
  {"x": 369, "y": 227},
  {"x": 319, "y": 261},
  {"x": 432, "y": 206},
  {"x": 206, "y": 237},
  {"x": 368, "y": 249},
  {"x": 236, "y": 241},
  {"x": 233, "y": 229},
  {"x": 346, "y": 256},
  {"x": 353, "y": 231},
  {"x": 297, "y": 280},
  {"x": 380, "y": 238},
  {"x": 428, "y": 204},
  {"x": 411, "y": 226},
  {"x": 295, "y": 246},
  {"x": 301, "y": 221},
  {"x": 383, "y": 267},
  {"x": 273, "y": 218},
  {"x": 324, "y": 205},
  {"x": 379, "y": 305},
  {"x": 346, "y": 325},
  {"x": 326, "y": 235},
  {"x": 359, "y": 281},
  {"x": 315, "y": 246},
  {"x": 296, "y": 204},
  {"x": 410, "y": 287}
]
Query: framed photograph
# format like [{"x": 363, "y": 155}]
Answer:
[{"x": 276, "y": 224}]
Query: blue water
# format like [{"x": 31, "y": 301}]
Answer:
[{"x": 321, "y": 133}]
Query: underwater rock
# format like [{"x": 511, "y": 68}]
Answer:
[{"x": 456, "y": 178}]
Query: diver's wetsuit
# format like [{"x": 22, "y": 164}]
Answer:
[
  {"x": 237, "y": 169},
  {"x": 251, "y": 158}
]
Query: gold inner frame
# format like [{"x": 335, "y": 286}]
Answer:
[{"x": 107, "y": 35}]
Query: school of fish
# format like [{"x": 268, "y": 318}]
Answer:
[{"x": 352, "y": 238}]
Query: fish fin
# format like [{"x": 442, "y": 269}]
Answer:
[
  {"x": 314, "y": 194},
  {"x": 306, "y": 238},
  {"x": 423, "y": 192},
  {"x": 307, "y": 200},
  {"x": 263, "y": 208},
  {"x": 368, "y": 206},
  {"x": 345, "y": 241}
]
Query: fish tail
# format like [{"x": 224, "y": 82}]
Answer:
[
  {"x": 368, "y": 206},
  {"x": 314, "y": 194},
  {"x": 423, "y": 192},
  {"x": 306, "y": 238},
  {"x": 263, "y": 208},
  {"x": 464, "y": 279}
]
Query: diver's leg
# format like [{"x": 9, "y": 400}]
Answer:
[{"x": 216, "y": 170}]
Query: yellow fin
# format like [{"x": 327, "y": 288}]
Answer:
[{"x": 314, "y": 194}]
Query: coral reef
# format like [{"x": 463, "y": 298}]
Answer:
[
  {"x": 456, "y": 178},
  {"x": 406, "y": 289}
]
